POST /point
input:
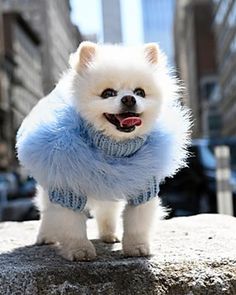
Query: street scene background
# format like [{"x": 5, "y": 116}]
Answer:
[{"x": 199, "y": 38}]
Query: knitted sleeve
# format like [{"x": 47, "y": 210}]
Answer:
[{"x": 149, "y": 192}]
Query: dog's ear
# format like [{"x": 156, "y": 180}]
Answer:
[
  {"x": 83, "y": 56},
  {"x": 151, "y": 51}
]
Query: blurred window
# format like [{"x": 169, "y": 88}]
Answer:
[
  {"x": 208, "y": 85},
  {"x": 208, "y": 88},
  {"x": 230, "y": 85},
  {"x": 233, "y": 45},
  {"x": 232, "y": 16},
  {"x": 233, "y": 155},
  {"x": 214, "y": 121},
  {"x": 222, "y": 10}
]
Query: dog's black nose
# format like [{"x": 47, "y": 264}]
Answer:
[{"x": 128, "y": 100}]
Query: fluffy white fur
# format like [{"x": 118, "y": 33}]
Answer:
[{"x": 95, "y": 68}]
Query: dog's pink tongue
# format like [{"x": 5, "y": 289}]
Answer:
[{"x": 129, "y": 121}]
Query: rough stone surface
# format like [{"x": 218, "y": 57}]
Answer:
[{"x": 192, "y": 255}]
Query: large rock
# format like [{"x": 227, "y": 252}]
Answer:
[{"x": 193, "y": 255}]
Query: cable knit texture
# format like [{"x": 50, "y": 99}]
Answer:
[
  {"x": 109, "y": 146},
  {"x": 73, "y": 161},
  {"x": 68, "y": 199}
]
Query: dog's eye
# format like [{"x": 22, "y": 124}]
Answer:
[
  {"x": 139, "y": 92},
  {"x": 108, "y": 93}
]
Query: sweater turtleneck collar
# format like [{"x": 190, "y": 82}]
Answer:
[{"x": 110, "y": 146}]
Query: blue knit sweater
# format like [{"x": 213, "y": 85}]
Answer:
[{"x": 72, "y": 160}]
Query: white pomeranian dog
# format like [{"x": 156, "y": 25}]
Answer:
[{"x": 107, "y": 135}]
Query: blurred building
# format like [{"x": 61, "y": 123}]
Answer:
[
  {"x": 158, "y": 24},
  {"x": 20, "y": 79},
  {"x": 225, "y": 29},
  {"x": 111, "y": 15},
  {"x": 51, "y": 19},
  {"x": 196, "y": 63},
  {"x": 36, "y": 39}
]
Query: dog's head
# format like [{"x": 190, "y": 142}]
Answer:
[{"x": 119, "y": 90}]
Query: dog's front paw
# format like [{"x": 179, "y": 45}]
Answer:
[
  {"x": 134, "y": 247},
  {"x": 79, "y": 250},
  {"x": 110, "y": 239},
  {"x": 136, "y": 250},
  {"x": 44, "y": 240}
]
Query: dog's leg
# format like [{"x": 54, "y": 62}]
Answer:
[
  {"x": 65, "y": 226},
  {"x": 107, "y": 214},
  {"x": 138, "y": 223}
]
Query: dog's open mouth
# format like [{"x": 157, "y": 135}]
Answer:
[{"x": 125, "y": 122}]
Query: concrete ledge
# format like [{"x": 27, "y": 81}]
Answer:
[{"x": 193, "y": 255}]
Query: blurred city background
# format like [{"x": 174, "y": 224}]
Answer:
[{"x": 199, "y": 38}]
